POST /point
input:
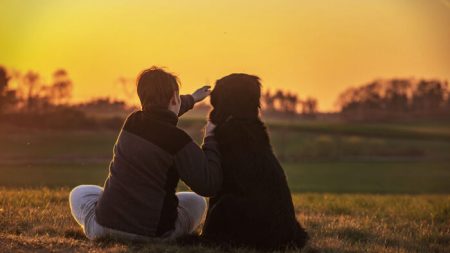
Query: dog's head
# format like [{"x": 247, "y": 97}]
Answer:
[{"x": 235, "y": 96}]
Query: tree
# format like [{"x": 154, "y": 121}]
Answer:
[
  {"x": 396, "y": 95},
  {"x": 447, "y": 104},
  {"x": 281, "y": 102},
  {"x": 61, "y": 89},
  {"x": 278, "y": 100},
  {"x": 7, "y": 96},
  {"x": 371, "y": 96},
  {"x": 309, "y": 107},
  {"x": 128, "y": 87},
  {"x": 268, "y": 101},
  {"x": 391, "y": 99},
  {"x": 429, "y": 96},
  {"x": 30, "y": 90},
  {"x": 346, "y": 98},
  {"x": 290, "y": 103},
  {"x": 4, "y": 79}
]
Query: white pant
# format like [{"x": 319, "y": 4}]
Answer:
[{"x": 83, "y": 199}]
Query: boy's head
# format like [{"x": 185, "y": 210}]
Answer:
[{"x": 157, "y": 88}]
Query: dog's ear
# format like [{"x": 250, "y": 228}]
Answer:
[
  {"x": 213, "y": 116},
  {"x": 218, "y": 116}
]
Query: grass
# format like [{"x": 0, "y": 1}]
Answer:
[
  {"x": 39, "y": 220},
  {"x": 290, "y": 145},
  {"x": 320, "y": 177},
  {"x": 356, "y": 187},
  {"x": 369, "y": 177},
  {"x": 407, "y": 130}
]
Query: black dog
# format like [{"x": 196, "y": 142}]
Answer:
[{"x": 254, "y": 208}]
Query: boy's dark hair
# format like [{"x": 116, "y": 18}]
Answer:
[
  {"x": 155, "y": 87},
  {"x": 235, "y": 95}
]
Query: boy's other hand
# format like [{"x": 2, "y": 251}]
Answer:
[{"x": 201, "y": 93}]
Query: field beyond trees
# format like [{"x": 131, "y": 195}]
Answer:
[{"x": 356, "y": 187}]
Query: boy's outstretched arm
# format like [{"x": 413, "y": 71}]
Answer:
[
  {"x": 188, "y": 101},
  {"x": 200, "y": 168}
]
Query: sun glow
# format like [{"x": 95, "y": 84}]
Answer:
[{"x": 314, "y": 48}]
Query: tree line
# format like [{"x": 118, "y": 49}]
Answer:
[
  {"x": 287, "y": 103},
  {"x": 34, "y": 100},
  {"x": 33, "y": 95},
  {"x": 396, "y": 99},
  {"x": 35, "y": 103}
]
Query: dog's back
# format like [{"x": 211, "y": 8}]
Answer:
[{"x": 254, "y": 208}]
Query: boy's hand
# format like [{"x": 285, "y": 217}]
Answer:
[{"x": 201, "y": 93}]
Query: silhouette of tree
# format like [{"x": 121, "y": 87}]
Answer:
[
  {"x": 347, "y": 99},
  {"x": 30, "y": 89},
  {"x": 371, "y": 96},
  {"x": 278, "y": 100},
  {"x": 128, "y": 87},
  {"x": 447, "y": 104},
  {"x": 7, "y": 96},
  {"x": 389, "y": 99},
  {"x": 61, "y": 89},
  {"x": 396, "y": 95},
  {"x": 290, "y": 103},
  {"x": 4, "y": 78},
  {"x": 429, "y": 96},
  {"x": 287, "y": 103},
  {"x": 309, "y": 107},
  {"x": 268, "y": 101}
]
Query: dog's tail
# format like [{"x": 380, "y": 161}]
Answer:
[{"x": 301, "y": 238}]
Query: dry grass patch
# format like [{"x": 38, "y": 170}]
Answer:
[{"x": 39, "y": 220}]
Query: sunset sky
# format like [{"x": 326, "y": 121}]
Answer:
[{"x": 313, "y": 47}]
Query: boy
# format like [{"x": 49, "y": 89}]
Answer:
[{"x": 151, "y": 154}]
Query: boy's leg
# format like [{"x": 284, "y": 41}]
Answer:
[
  {"x": 83, "y": 200},
  {"x": 191, "y": 209}
]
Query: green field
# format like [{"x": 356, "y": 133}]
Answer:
[
  {"x": 319, "y": 177},
  {"x": 356, "y": 187},
  {"x": 355, "y": 159}
]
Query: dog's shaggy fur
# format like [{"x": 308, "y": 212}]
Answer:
[{"x": 254, "y": 208}]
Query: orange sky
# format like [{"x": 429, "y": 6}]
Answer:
[{"x": 313, "y": 47}]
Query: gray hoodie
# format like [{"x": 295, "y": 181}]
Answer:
[{"x": 150, "y": 156}]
